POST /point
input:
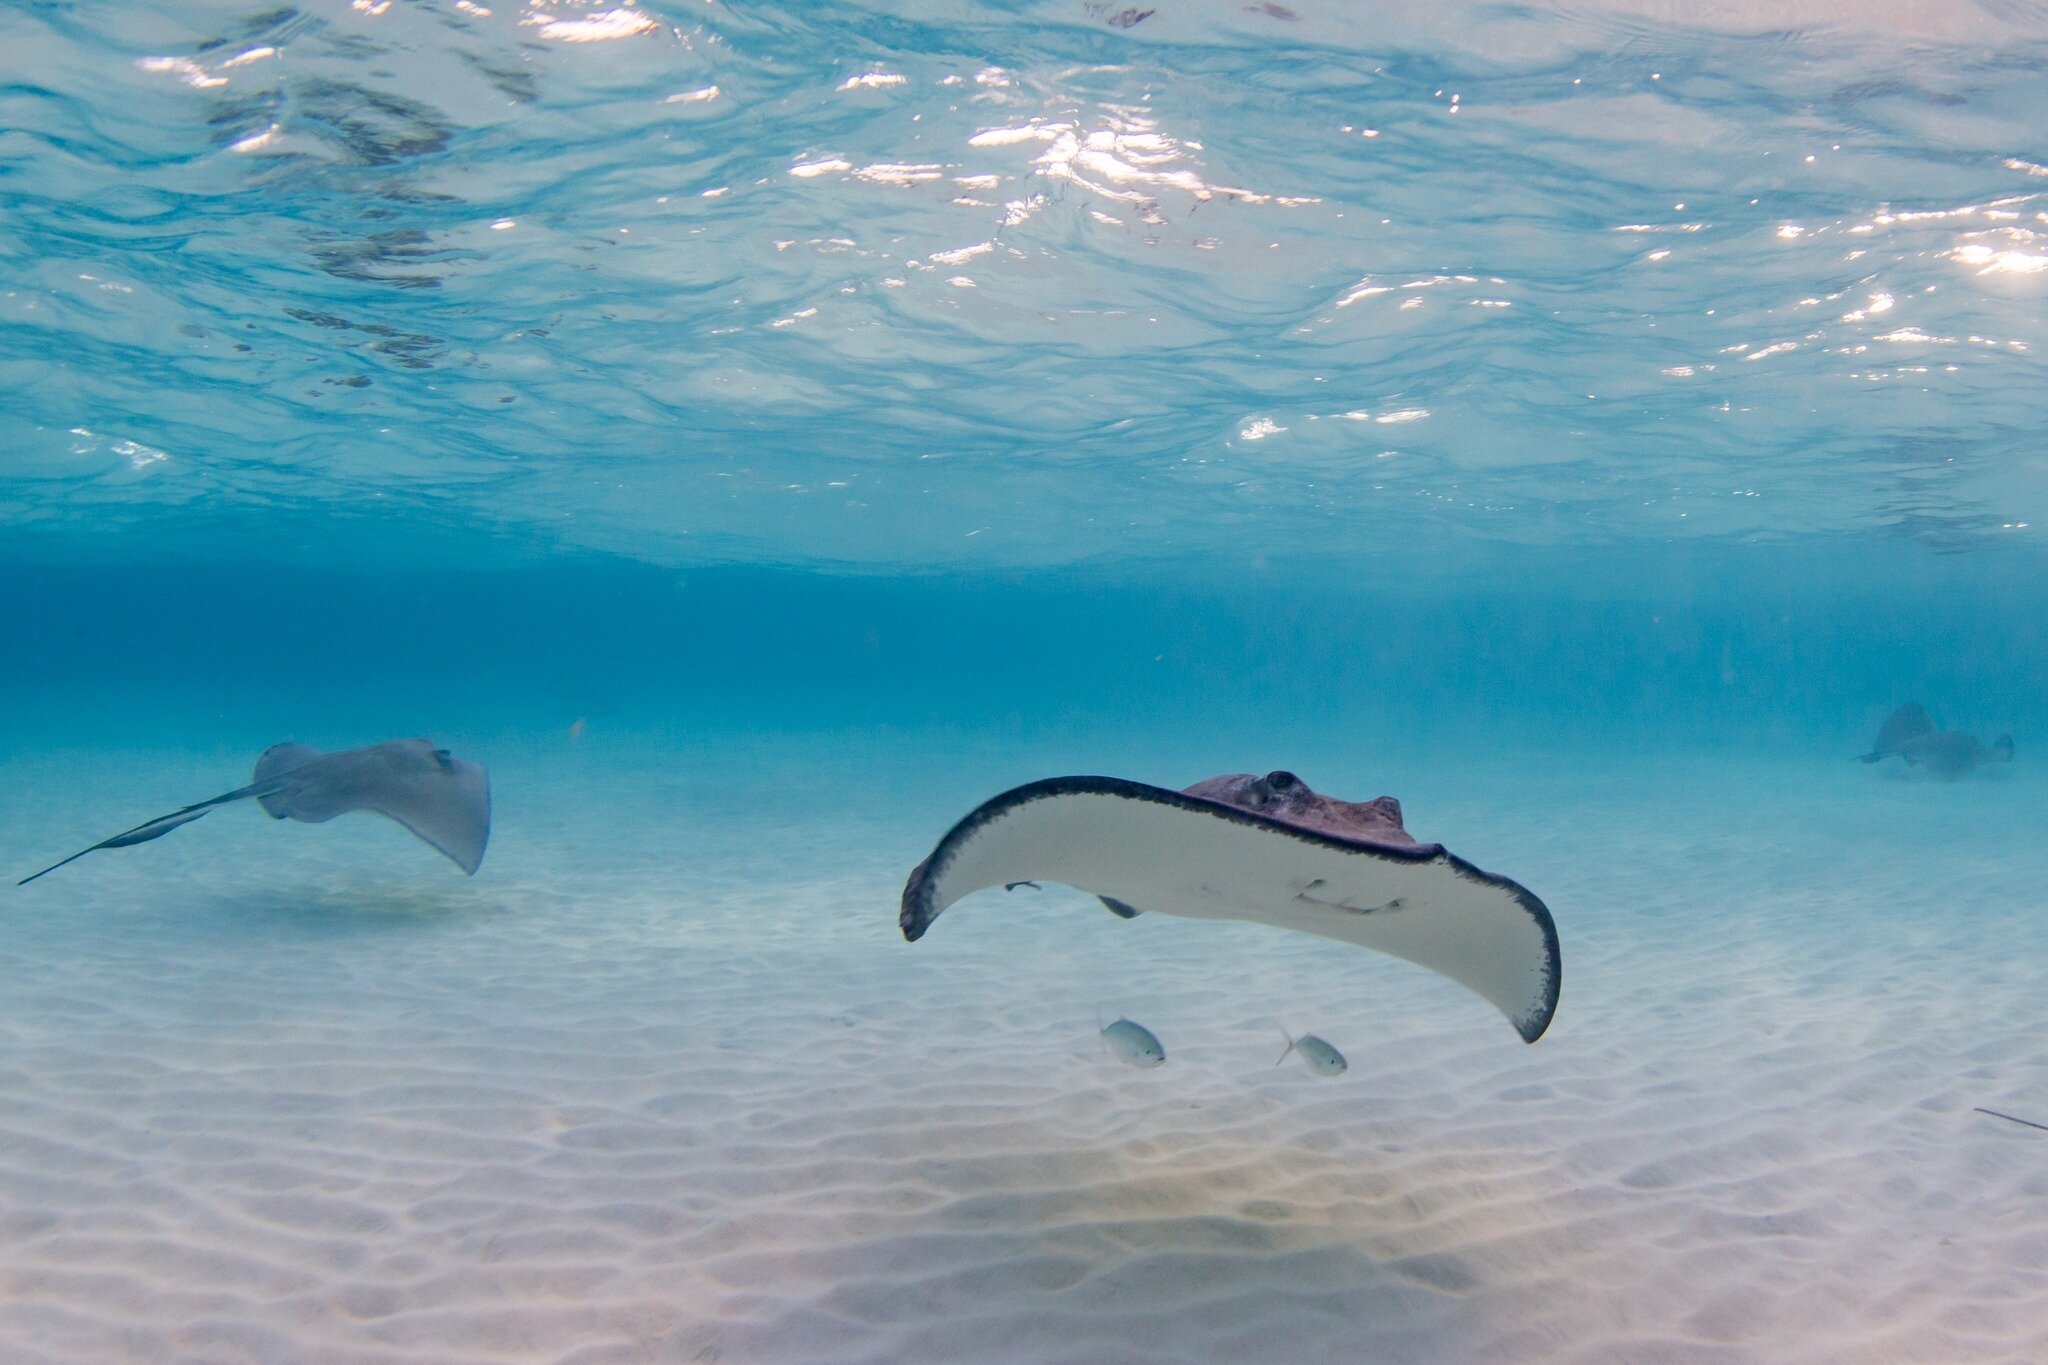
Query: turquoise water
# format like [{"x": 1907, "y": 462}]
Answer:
[{"x": 760, "y": 433}]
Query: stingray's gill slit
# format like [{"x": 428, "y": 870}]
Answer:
[{"x": 1305, "y": 896}]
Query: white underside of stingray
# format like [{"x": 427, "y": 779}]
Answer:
[{"x": 1165, "y": 852}]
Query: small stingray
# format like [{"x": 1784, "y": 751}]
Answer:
[
  {"x": 1265, "y": 849},
  {"x": 1948, "y": 754},
  {"x": 443, "y": 799}
]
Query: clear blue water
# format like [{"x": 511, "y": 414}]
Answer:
[
  {"x": 1479, "y": 316},
  {"x": 416, "y": 284},
  {"x": 844, "y": 411}
]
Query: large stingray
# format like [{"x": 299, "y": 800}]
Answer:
[
  {"x": 1909, "y": 733},
  {"x": 443, "y": 799},
  {"x": 1265, "y": 849}
]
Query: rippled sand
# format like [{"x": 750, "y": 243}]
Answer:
[{"x": 663, "y": 1083}]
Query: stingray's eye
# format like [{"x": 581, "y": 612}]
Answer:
[{"x": 1282, "y": 781}]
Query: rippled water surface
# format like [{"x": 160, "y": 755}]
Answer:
[{"x": 1018, "y": 284}]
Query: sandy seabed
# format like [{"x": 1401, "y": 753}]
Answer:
[{"x": 664, "y": 1084}]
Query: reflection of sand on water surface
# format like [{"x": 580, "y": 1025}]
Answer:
[{"x": 664, "y": 1083}]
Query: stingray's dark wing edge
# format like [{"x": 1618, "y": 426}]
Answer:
[
  {"x": 159, "y": 827},
  {"x": 917, "y": 912}
]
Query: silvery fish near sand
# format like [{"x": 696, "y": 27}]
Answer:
[
  {"x": 444, "y": 800},
  {"x": 1320, "y": 1057},
  {"x": 1909, "y": 733},
  {"x": 1261, "y": 848},
  {"x": 1133, "y": 1044}
]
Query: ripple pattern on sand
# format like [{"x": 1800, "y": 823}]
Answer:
[{"x": 678, "y": 1093}]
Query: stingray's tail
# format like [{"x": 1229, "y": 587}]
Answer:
[
  {"x": 157, "y": 828},
  {"x": 2002, "y": 750},
  {"x": 54, "y": 866},
  {"x": 1871, "y": 757}
]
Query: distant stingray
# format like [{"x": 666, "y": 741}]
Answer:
[
  {"x": 1951, "y": 754},
  {"x": 1900, "y": 728},
  {"x": 1909, "y": 734},
  {"x": 1265, "y": 849},
  {"x": 443, "y": 799}
]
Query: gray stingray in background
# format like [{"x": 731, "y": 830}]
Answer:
[
  {"x": 1951, "y": 753},
  {"x": 1260, "y": 848},
  {"x": 1900, "y": 728},
  {"x": 443, "y": 799},
  {"x": 1908, "y": 733}
]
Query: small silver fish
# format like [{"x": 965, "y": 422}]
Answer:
[
  {"x": 1322, "y": 1059},
  {"x": 1133, "y": 1044}
]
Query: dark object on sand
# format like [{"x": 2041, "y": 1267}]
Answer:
[
  {"x": 1265, "y": 849},
  {"x": 443, "y": 799},
  {"x": 1909, "y": 734},
  {"x": 2024, "y": 1123},
  {"x": 1901, "y": 727}
]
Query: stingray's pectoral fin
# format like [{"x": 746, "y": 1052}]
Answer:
[
  {"x": 157, "y": 828},
  {"x": 451, "y": 812},
  {"x": 1188, "y": 856},
  {"x": 1118, "y": 908}
]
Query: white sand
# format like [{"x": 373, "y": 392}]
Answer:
[{"x": 665, "y": 1085}]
